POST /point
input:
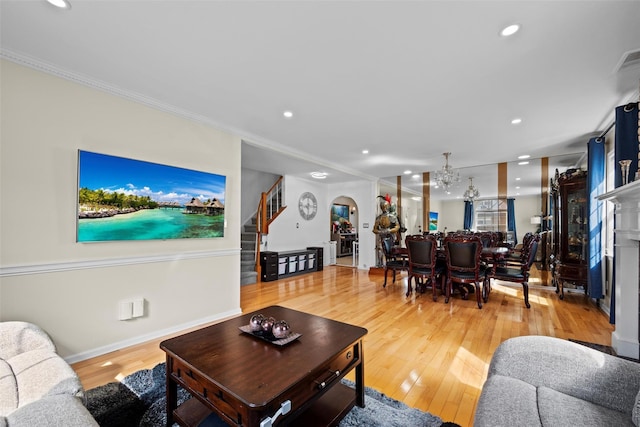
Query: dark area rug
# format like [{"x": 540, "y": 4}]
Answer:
[
  {"x": 139, "y": 401},
  {"x": 601, "y": 348},
  {"x": 604, "y": 349}
]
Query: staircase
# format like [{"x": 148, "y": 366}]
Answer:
[
  {"x": 269, "y": 208},
  {"x": 248, "y": 273}
]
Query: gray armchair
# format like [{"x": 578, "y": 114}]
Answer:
[{"x": 545, "y": 381}]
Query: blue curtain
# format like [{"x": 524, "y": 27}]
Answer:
[
  {"x": 626, "y": 140},
  {"x": 626, "y": 146},
  {"x": 549, "y": 221},
  {"x": 468, "y": 215},
  {"x": 511, "y": 219},
  {"x": 595, "y": 187}
]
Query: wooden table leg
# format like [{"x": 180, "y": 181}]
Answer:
[
  {"x": 360, "y": 378},
  {"x": 172, "y": 394}
]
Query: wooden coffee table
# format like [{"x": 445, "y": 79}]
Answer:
[{"x": 244, "y": 379}]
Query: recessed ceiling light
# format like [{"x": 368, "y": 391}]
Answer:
[
  {"x": 517, "y": 179},
  {"x": 365, "y": 151},
  {"x": 516, "y": 121},
  {"x": 415, "y": 176},
  {"x": 524, "y": 156},
  {"x": 523, "y": 163},
  {"x": 319, "y": 175},
  {"x": 416, "y": 198},
  {"x": 517, "y": 187},
  {"x": 510, "y": 30},
  {"x": 62, "y": 4},
  {"x": 407, "y": 172},
  {"x": 287, "y": 114}
]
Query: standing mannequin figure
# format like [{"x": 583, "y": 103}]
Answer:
[{"x": 386, "y": 224}]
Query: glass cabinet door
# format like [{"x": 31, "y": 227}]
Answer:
[
  {"x": 571, "y": 231},
  {"x": 576, "y": 217}
]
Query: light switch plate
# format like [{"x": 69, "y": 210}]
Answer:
[{"x": 138, "y": 307}]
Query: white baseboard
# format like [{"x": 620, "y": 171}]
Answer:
[
  {"x": 625, "y": 348},
  {"x": 74, "y": 358}
]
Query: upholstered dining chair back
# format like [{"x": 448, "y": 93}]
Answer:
[
  {"x": 463, "y": 252},
  {"x": 531, "y": 250},
  {"x": 487, "y": 238},
  {"x": 393, "y": 262},
  {"x": 526, "y": 240},
  {"x": 387, "y": 246},
  {"x": 424, "y": 268},
  {"x": 422, "y": 251}
]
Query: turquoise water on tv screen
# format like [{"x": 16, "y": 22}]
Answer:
[{"x": 150, "y": 224}]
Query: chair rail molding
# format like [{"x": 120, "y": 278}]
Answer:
[{"x": 112, "y": 262}]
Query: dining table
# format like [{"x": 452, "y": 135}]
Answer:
[{"x": 492, "y": 256}]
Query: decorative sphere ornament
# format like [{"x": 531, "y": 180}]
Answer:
[
  {"x": 280, "y": 329},
  {"x": 267, "y": 324},
  {"x": 256, "y": 322}
]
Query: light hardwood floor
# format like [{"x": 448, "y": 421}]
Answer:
[{"x": 430, "y": 355}]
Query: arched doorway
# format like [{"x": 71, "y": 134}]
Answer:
[{"x": 343, "y": 222}]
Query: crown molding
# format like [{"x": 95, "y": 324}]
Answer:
[
  {"x": 246, "y": 137},
  {"x": 54, "y": 70}
]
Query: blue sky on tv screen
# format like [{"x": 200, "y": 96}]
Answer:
[{"x": 160, "y": 182}]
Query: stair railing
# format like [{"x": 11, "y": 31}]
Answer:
[{"x": 269, "y": 207}]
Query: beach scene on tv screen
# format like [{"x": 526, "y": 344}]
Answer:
[{"x": 127, "y": 199}]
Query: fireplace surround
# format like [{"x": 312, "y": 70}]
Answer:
[{"x": 625, "y": 338}]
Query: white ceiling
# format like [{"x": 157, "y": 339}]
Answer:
[{"x": 407, "y": 80}]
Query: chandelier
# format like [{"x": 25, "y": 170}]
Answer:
[
  {"x": 471, "y": 193},
  {"x": 447, "y": 176}
]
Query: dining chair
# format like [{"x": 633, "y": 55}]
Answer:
[
  {"x": 516, "y": 253},
  {"x": 464, "y": 266},
  {"x": 392, "y": 261},
  {"x": 488, "y": 238},
  {"x": 424, "y": 267},
  {"x": 517, "y": 271}
]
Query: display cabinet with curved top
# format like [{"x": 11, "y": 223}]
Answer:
[{"x": 570, "y": 230}]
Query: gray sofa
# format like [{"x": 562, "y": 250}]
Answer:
[
  {"x": 37, "y": 387},
  {"x": 544, "y": 381}
]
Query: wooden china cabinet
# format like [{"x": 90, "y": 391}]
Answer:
[{"x": 570, "y": 230}]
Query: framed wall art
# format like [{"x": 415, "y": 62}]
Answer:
[
  {"x": 126, "y": 199},
  {"x": 433, "y": 221},
  {"x": 338, "y": 212}
]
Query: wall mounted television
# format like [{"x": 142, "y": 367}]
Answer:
[{"x": 126, "y": 199}]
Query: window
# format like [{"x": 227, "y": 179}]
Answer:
[{"x": 490, "y": 215}]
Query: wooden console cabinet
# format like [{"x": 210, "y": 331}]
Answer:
[{"x": 278, "y": 265}]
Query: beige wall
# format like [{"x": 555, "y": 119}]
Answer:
[{"x": 72, "y": 290}]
